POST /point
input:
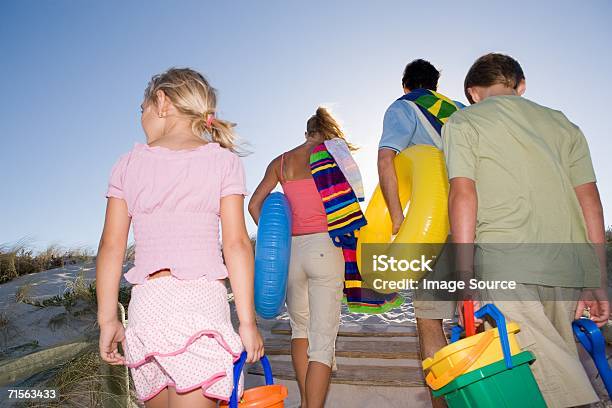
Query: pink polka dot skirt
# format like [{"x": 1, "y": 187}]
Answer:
[{"x": 180, "y": 335}]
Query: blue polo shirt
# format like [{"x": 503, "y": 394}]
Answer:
[{"x": 402, "y": 128}]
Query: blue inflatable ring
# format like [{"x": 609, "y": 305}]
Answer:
[{"x": 272, "y": 252}]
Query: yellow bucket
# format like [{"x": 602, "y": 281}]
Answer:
[{"x": 469, "y": 354}]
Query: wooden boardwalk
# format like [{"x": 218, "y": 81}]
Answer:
[
  {"x": 354, "y": 348},
  {"x": 367, "y": 355}
]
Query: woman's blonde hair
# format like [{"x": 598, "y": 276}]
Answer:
[
  {"x": 324, "y": 122},
  {"x": 196, "y": 99}
]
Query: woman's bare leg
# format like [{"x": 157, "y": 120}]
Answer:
[
  {"x": 317, "y": 384},
  {"x": 299, "y": 358}
]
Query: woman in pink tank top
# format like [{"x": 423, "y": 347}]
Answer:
[{"x": 316, "y": 270}]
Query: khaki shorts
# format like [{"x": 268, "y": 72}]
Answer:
[
  {"x": 427, "y": 306},
  {"x": 434, "y": 309},
  {"x": 314, "y": 294},
  {"x": 546, "y": 331}
]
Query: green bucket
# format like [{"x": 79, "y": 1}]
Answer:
[{"x": 495, "y": 385}]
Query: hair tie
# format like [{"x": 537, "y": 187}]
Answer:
[{"x": 209, "y": 119}]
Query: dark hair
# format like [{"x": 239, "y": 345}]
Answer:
[
  {"x": 491, "y": 69},
  {"x": 420, "y": 74}
]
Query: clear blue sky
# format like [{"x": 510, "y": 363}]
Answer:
[{"x": 73, "y": 74}]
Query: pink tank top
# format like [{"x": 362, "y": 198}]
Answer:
[{"x": 307, "y": 211}]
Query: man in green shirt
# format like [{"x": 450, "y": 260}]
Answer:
[{"x": 523, "y": 189}]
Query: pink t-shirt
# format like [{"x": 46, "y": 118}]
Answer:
[{"x": 173, "y": 197}]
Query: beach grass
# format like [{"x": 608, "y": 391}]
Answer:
[
  {"x": 86, "y": 381},
  {"x": 20, "y": 259},
  {"x": 79, "y": 288},
  {"x": 22, "y": 294},
  {"x": 4, "y": 321},
  {"x": 130, "y": 252},
  {"x": 8, "y": 330},
  {"x": 76, "y": 290}
]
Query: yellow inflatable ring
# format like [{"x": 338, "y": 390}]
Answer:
[{"x": 423, "y": 187}]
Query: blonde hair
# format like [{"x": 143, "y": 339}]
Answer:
[
  {"x": 324, "y": 122},
  {"x": 196, "y": 99}
]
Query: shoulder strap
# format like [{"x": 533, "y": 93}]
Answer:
[{"x": 433, "y": 133}]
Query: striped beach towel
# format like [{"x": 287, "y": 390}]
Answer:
[
  {"x": 344, "y": 218},
  {"x": 339, "y": 150}
]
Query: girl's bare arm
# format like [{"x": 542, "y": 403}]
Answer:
[
  {"x": 238, "y": 255},
  {"x": 109, "y": 262}
]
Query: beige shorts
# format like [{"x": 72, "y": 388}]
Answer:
[
  {"x": 546, "y": 331},
  {"x": 434, "y": 309},
  {"x": 427, "y": 306},
  {"x": 314, "y": 294}
]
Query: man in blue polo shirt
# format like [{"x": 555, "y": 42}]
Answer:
[{"x": 416, "y": 118}]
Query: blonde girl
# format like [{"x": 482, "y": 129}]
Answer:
[{"x": 175, "y": 189}]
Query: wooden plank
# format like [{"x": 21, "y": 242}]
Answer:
[
  {"x": 353, "y": 374},
  {"x": 359, "y": 331},
  {"x": 39, "y": 361},
  {"x": 354, "y": 348}
]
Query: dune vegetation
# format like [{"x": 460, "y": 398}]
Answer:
[{"x": 19, "y": 259}]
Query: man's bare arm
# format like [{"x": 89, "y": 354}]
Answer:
[
  {"x": 388, "y": 184},
  {"x": 592, "y": 211},
  {"x": 462, "y": 210}
]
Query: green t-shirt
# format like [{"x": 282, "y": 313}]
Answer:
[{"x": 525, "y": 160}]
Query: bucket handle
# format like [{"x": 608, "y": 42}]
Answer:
[
  {"x": 468, "y": 321},
  {"x": 492, "y": 310},
  {"x": 456, "y": 333},
  {"x": 468, "y": 318},
  {"x": 464, "y": 364},
  {"x": 238, "y": 366},
  {"x": 589, "y": 335}
]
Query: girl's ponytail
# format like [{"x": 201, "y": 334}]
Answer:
[
  {"x": 196, "y": 99},
  {"x": 220, "y": 131}
]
